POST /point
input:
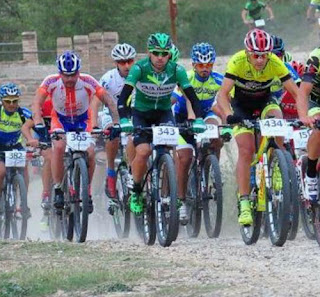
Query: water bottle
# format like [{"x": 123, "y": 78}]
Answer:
[{"x": 252, "y": 176}]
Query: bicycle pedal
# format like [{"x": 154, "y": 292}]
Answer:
[{"x": 111, "y": 210}]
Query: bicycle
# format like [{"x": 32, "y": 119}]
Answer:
[
  {"x": 270, "y": 184},
  {"x": 204, "y": 191},
  {"x": 14, "y": 211},
  {"x": 160, "y": 216},
  {"x": 74, "y": 217}
]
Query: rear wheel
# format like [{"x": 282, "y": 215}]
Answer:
[
  {"x": 193, "y": 203},
  {"x": 167, "y": 221},
  {"x": 279, "y": 199},
  {"x": 121, "y": 212},
  {"x": 294, "y": 195},
  {"x": 212, "y": 196},
  {"x": 305, "y": 206}
]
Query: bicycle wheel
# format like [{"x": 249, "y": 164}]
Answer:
[
  {"x": 167, "y": 221},
  {"x": 212, "y": 196},
  {"x": 147, "y": 221},
  {"x": 278, "y": 199},
  {"x": 316, "y": 221},
  {"x": 193, "y": 203},
  {"x": 53, "y": 220},
  {"x": 121, "y": 212},
  {"x": 305, "y": 206},
  {"x": 294, "y": 195},
  {"x": 80, "y": 214}
]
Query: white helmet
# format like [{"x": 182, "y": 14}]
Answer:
[{"x": 123, "y": 51}]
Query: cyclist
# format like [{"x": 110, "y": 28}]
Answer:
[
  {"x": 310, "y": 94},
  {"x": 154, "y": 78},
  {"x": 206, "y": 84},
  {"x": 313, "y": 10},
  {"x": 113, "y": 81},
  {"x": 251, "y": 71},
  {"x": 12, "y": 118},
  {"x": 253, "y": 11},
  {"x": 71, "y": 93},
  {"x": 279, "y": 51},
  {"x": 41, "y": 134}
]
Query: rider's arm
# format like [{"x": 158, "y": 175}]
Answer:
[
  {"x": 105, "y": 98},
  {"x": 37, "y": 105},
  {"x": 223, "y": 97},
  {"x": 122, "y": 102},
  {"x": 95, "y": 105},
  {"x": 244, "y": 13},
  {"x": 270, "y": 12},
  {"x": 195, "y": 103},
  {"x": 26, "y": 129},
  {"x": 302, "y": 102}
]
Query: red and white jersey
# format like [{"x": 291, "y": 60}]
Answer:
[{"x": 71, "y": 102}]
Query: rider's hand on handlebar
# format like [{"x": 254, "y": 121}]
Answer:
[
  {"x": 234, "y": 119},
  {"x": 33, "y": 142},
  {"x": 307, "y": 120}
]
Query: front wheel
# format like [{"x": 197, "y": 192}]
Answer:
[
  {"x": 167, "y": 221},
  {"x": 121, "y": 214},
  {"x": 17, "y": 212},
  {"x": 278, "y": 200},
  {"x": 80, "y": 213},
  {"x": 193, "y": 204},
  {"x": 212, "y": 196}
]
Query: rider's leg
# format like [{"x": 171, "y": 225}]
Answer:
[
  {"x": 46, "y": 177},
  {"x": 184, "y": 159},
  {"x": 57, "y": 168},
  {"x": 131, "y": 151},
  {"x": 111, "y": 151},
  {"x": 2, "y": 173},
  {"x": 139, "y": 163}
]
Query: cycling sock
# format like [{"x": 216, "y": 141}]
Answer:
[
  {"x": 57, "y": 186},
  {"x": 137, "y": 188},
  {"x": 111, "y": 172},
  {"x": 244, "y": 197},
  {"x": 312, "y": 168}
]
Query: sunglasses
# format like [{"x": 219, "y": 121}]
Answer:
[
  {"x": 256, "y": 56},
  {"x": 123, "y": 62},
  {"x": 204, "y": 65},
  {"x": 8, "y": 101},
  {"x": 162, "y": 54}
]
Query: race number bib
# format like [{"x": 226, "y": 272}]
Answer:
[
  {"x": 79, "y": 141},
  {"x": 259, "y": 23},
  {"x": 104, "y": 119},
  {"x": 15, "y": 158},
  {"x": 300, "y": 138},
  {"x": 211, "y": 133},
  {"x": 274, "y": 127},
  {"x": 165, "y": 135}
]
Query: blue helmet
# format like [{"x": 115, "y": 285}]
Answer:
[
  {"x": 203, "y": 53},
  {"x": 278, "y": 45},
  {"x": 68, "y": 63},
  {"x": 9, "y": 89}
]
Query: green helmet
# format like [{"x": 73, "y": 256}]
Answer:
[
  {"x": 287, "y": 57},
  {"x": 159, "y": 41},
  {"x": 175, "y": 53}
]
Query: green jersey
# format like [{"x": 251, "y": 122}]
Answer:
[
  {"x": 153, "y": 89},
  {"x": 255, "y": 9},
  {"x": 312, "y": 74}
]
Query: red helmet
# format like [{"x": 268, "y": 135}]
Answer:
[
  {"x": 298, "y": 66},
  {"x": 259, "y": 41}
]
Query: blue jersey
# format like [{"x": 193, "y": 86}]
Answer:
[
  {"x": 206, "y": 90},
  {"x": 277, "y": 88}
]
